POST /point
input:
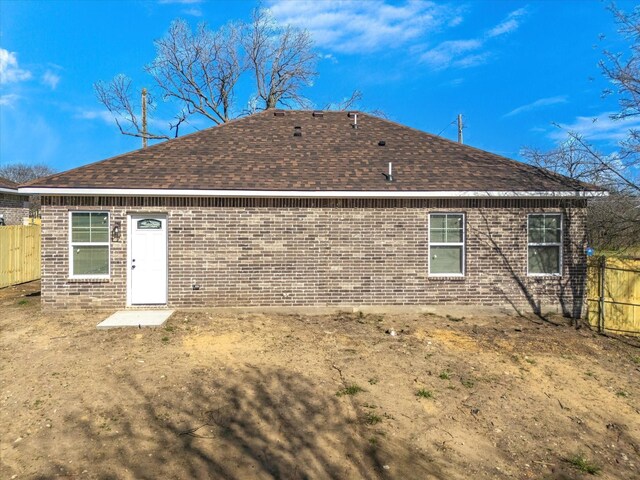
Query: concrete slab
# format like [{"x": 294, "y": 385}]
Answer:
[{"x": 136, "y": 318}]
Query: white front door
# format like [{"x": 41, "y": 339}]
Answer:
[{"x": 147, "y": 259}]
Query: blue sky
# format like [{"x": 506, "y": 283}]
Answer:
[{"x": 512, "y": 68}]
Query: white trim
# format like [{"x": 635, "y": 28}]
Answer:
[
  {"x": 128, "y": 265},
  {"x": 463, "y": 244},
  {"x": 129, "y": 233},
  {"x": 71, "y": 244},
  {"x": 154, "y": 192},
  {"x": 13, "y": 191},
  {"x": 560, "y": 245}
]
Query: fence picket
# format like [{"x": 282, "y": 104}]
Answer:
[
  {"x": 613, "y": 295},
  {"x": 19, "y": 254}
]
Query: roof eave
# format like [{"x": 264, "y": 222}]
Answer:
[
  {"x": 13, "y": 191},
  {"x": 142, "y": 192}
]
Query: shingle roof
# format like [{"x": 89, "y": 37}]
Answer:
[
  {"x": 6, "y": 183},
  {"x": 261, "y": 152}
]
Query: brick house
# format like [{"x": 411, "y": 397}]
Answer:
[
  {"x": 14, "y": 206},
  {"x": 301, "y": 208}
]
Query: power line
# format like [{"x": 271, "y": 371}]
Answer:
[{"x": 452, "y": 123}]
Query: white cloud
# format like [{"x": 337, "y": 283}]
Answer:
[
  {"x": 159, "y": 124},
  {"x": 599, "y": 128},
  {"x": 51, "y": 79},
  {"x": 103, "y": 115},
  {"x": 9, "y": 70},
  {"x": 471, "y": 52},
  {"x": 542, "y": 102},
  {"x": 456, "y": 53},
  {"x": 356, "y": 26},
  {"x": 8, "y": 100},
  {"x": 194, "y": 12},
  {"x": 509, "y": 24}
]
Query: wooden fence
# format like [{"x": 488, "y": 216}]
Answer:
[
  {"x": 613, "y": 294},
  {"x": 19, "y": 254}
]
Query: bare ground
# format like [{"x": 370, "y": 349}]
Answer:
[{"x": 263, "y": 396}]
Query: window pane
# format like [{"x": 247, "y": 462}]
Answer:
[
  {"x": 99, "y": 219},
  {"x": 536, "y": 235},
  {"x": 454, "y": 221},
  {"x": 99, "y": 235},
  {"x": 552, "y": 236},
  {"x": 454, "y": 235},
  {"x": 89, "y": 227},
  {"x": 149, "y": 224},
  {"x": 544, "y": 259},
  {"x": 90, "y": 260},
  {"x": 80, "y": 235},
  {"x": 552, "y": 222},
  {"x": 536, "y": 221},
  {"x": 80, "y": 219},
  {"x": 446, "y": 260},
  {"x": 438, "y": 235},
  {"x": 438, "y": 221}
]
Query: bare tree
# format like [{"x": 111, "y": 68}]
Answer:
[
  {"x": 612, "y": 222},
  {"x": 200, "y": 70},
  {"x": 22, "y": 173},
  {"x": 116, "y": 96},
  {"x": 281, "y": 59},
  {"x": 623, "y": 71},
  {"x": 575, "y": 159}
]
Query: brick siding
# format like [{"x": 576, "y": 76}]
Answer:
[
  {"x": 13, "y": 209},
  {"x": 309, "y": 252}
]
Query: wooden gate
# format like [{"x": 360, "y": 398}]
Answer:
[
  {"x": 19, "y": 254},
  {"x": 613, "y": 294}
]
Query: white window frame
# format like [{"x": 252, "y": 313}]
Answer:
[
  {"x": 73, "y": 244},
  {"x": 463, "y": 244},
  {"x": 547, "y": 244}
]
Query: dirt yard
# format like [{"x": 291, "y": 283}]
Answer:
[{"x": 294, "y": 397}]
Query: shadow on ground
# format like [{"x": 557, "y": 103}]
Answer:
[{"x": 250, "y": 423}]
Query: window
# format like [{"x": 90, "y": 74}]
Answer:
[
  {"x": 446, "y": 244},
  {"x": 545, "y": 244},
  {"x": 89, "y": 245},
  {"x": 149, "y": 224}
]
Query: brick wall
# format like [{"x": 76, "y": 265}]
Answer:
[
  {"x": 322, "y": 252},
  {"x": 13, "y": 208}
]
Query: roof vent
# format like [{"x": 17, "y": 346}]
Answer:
[
  {"x": 354, "y": 115},
  {"x": 382, "y": 143},
  {"x": 278, "y": 113},
  {"x": 389, "y": 176},
  {"x": 318, "y": 113},
  {"x": 297, "y": 131}
]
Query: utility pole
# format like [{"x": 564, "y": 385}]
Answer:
[
  {"x": 144, "y": 118},
  {"x": 460, "y": 128}
]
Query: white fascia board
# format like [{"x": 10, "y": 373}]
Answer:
[
  {"x": 12, "y": 191},
  {"x": 141, "y": 192}
]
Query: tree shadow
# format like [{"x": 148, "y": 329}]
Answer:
[
  {"x": 569, "y": 289},
  {"x": 253, "y": 423}
]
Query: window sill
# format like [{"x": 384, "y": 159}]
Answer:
[
  {"x": 88, "y": 280},
  {"x": 447, "y": 277}
]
